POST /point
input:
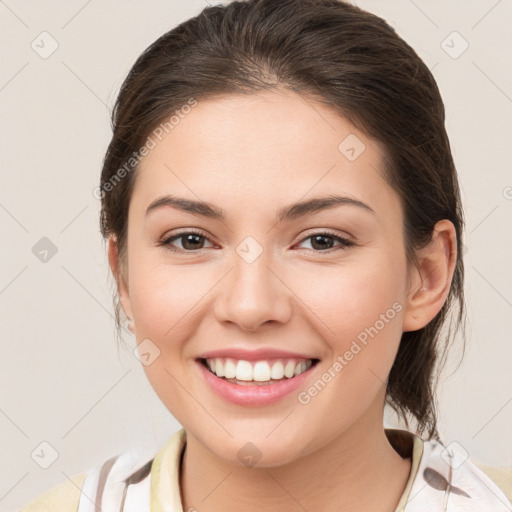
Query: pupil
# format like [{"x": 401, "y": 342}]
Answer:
[
  {"x": 322, "y": 237},
  {"x": 190, "y": 239}
]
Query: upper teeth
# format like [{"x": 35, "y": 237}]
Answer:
[{"x": 258, "y": 370}]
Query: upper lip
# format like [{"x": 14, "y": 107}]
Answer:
[{"x": 253, "y": 355}]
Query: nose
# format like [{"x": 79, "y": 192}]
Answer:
[{"x": 253, "y": 294}]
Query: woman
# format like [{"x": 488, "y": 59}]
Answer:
[{"x": 284, "y": 224}]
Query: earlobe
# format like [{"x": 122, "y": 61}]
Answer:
[
  {"x": 131, "y": 326},
  {"x": 119, "y": 274},
  {"x": 431, "y": 280}
]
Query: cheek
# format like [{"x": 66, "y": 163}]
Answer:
[
  {"x": 164, "y": 296},
  {"x": 363, "y": 313},
  {"x": 360, "y": 314},
  {"x": 162, "y": 299},
  {"x": 350, "y": 299}
]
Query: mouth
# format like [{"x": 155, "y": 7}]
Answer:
[{"x": 257, "y": 373}]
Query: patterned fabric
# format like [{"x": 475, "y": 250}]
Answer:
[
  {"x": 120, "y": 484},
  {"x": 445, "y": 482},
  {"x": 440, "y": 480}
]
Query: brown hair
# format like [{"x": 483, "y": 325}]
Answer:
[{"x": 350, "y": 60}]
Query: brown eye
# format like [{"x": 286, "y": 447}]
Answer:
[
  {"x": 320, "y": 242},
  {"x": 190, "y": 241}
]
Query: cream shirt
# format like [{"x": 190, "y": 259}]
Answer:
[{"x": 439, "y": 481}]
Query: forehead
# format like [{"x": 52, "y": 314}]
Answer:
[{"x": 261, "y": 150}]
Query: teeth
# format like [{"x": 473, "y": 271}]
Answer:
[
  {"x": 219, "y": 368},
  {"x": 300, "y": 368},
  {"x": 243, "y": 370},
  {"x": 289, "y": 369},
  {"x": 230, "y": 369},
  {"x": 277, "y": 371},
  {"x": 260, "y": 371}
]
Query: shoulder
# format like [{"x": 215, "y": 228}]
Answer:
[
  {"x": 63, "y": 497},
  {"x": 107, "y": 485},
  {"x": 501, "y": 476},
  {"x": 124, "y": 480},
  {"x": 448, "y": 478}
]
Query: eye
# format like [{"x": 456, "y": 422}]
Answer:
[
  {"x": 323, "y": 240},
  {"x": 191, "y": 241}
]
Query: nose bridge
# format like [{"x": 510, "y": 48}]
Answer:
[
  {"x": 252, "y": 279},
  {"x": 252, "y": 294}
]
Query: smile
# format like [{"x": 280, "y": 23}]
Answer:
[
  {"x": 253, "y": 383},
  {"x": 265, "y": 371}
]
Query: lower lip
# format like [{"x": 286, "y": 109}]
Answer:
[{"x": 253, "y": 395}]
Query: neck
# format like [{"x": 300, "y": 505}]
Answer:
[{"x": 358, "y": 470}]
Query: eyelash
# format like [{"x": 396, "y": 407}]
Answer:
[{"x": 344, "y": 242}]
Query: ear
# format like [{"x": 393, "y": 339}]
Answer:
[
  {"x": 429, "y": 283},
  {"x": 120, "y": 274}
]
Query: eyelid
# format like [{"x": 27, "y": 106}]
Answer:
[
  {"x": 165, "y": 239},
  {"x": 345, "y": 242},
  {"x": 326, "y": 231}
]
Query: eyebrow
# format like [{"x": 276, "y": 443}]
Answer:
[{"x": 293, "y": 211}]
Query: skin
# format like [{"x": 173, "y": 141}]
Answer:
[{"x": 251, "y": 156}]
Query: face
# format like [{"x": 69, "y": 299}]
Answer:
[{"x": 327, "y": 285}]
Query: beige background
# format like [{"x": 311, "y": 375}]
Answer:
[{"x": 61, "y": 378}]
